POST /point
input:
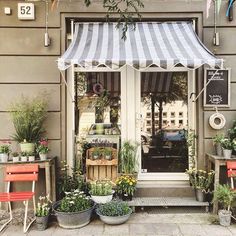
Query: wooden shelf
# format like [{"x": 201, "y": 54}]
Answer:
[{"x": 101, "y": 162}]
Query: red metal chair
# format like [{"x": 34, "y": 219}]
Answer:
[
  {"x": 231, "y": 172},
  {"x": 20, "y": 173}
]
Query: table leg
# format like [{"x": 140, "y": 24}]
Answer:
[
  {"x": 48, "y": 180},
  {"x": 53, "y": 181},
  {"x": 216, "y": 183}
]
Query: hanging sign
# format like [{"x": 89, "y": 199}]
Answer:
[
  {"x": 217, "y": 92},
  {"x": 26, "y": 11}
]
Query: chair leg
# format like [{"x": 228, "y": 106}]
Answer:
[
  {"x": 26, "y": 227},
  {"x": 10, "y": 219}
]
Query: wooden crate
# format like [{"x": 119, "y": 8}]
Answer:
[{"x": 102, "y": 168}]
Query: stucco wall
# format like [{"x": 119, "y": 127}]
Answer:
[{"x": 27, "y": 66}]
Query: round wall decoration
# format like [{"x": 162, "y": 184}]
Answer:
[
  {"x": 97, "y": 88},
  {"x": 217, "y": 121}
]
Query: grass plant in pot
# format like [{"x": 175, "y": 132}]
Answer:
[
  {"x": 74, "y": 210},
  {"x": 24, "y": 156},
  {"x": 5, "y": 150},
  {"x": 42, "y": 212},
  {"x": 201, "y": 181},
  {"x": 217, "y": 143},
  {"x": 28, "y": 116},
  {"x": 114, "y": 212},
  {"x": 96, "y": 153},
  {"x": 101, "y": 191},
  {"x": 225, "y": 196},
  {"x": 228, "y": 146},
  {"x": 107, "y": 153},
  {"x": 126, "y": 186},
  {"x": 42, "y": 149}
]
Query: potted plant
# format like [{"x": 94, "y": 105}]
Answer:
[
  {"x": 114, "y": 212},
  {"x": 5, "y": 150},
  {"x": 42, "y": 149},
  {"x": 228, "y": 146},
  {"x": 107, "y": 152},
  {"x": 96, "y": 153},
  {"x": 127, "y": 155},
  {"x": 201, "y": 181},
  {"x": 15, "y": 157},
  {"x": 43, "y": 212},
  {"x": 28, "y": 116},
  {"x": 23, "y": 156},
  {"x": 217, "y": 143},
  {"x": 101, "y": 191},
  {"x": 126, "y": 186},
  {"x": 225, "y": 196},
  {"x": 31, "y": 156},
  {"x": 74, "y": 210}
]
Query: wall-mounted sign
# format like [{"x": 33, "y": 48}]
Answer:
[
  {"x": 26, "y": 11},
  {"x": 217, "y": 92}
]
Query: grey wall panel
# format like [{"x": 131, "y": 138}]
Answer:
[
  {"x": 12, "y": 20},
  {"x": 55, "y": 148},
  {"x": 52, "y": 125},
  {"x": 230, "y": 62},
  {"x": 227, "y": 40},
  {"x": 209, "y": 132},
  {"x": 17, "y": 41},
  {"x": 29, "y": 69},
  {"x": 209, "y": 146},
  {"x": 11, "y": 92}
]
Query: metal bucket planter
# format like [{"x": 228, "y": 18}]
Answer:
[
  {"x": 72, "y": 220},
  {"x": 225, "y": 217},
  {"x": 42, "y": 222},
  {"x": 102, "y": 199},
  {"x": 200, "y": 195},
  {"x": 227, "y": 153},
  {"x": 218, "y": 149},
  {"x": 114, "y": 220}
]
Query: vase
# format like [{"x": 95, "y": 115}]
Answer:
[
  {"x": 16, "y": 159},
  {"x": 27, "y": 147},
  {"x": 227, "y": 153},
  {"x": 200, "y": 195},
  {"x": 72, "y": 220},
  {"x": 3, "y": 157},
  {"x": 218, "y": 149},
  {"x": 42, "y": 222},
  {"x": 43, "y": 156},
  {"x": 224, "y": 217}
]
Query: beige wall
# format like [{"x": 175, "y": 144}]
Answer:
[{"x": 28, "y": 67}]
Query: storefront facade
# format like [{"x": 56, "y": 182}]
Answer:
[{"x": 27, "y": 67}]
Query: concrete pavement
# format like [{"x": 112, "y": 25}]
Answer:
[{"x": 145, "y": 224}]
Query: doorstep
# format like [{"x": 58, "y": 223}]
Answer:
[{"x": 167, "y": 202}]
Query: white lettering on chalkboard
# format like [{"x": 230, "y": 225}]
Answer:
[{"x": 215, "y": 99}]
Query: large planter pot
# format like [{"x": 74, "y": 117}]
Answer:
[
  {"x": 218, "y": 149},
  {"x": 42, "y": 222},
  {"x": 72, "y": 220},
  {"x": 200, "y": 195},
  {"x": 102, "y": 199},
  {"x": 3, "y": 157},
  {"x": 224, "y": 217},
  {"x": 27, "y": 147},
  {"x": 227, "y": 153},
  {"x": 114, "y": 220}
]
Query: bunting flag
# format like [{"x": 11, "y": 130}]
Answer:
[
  {"x": 230, "y": 5},
  {"x": 218, "y": 5},
  {"x": 208, "y": 6}
]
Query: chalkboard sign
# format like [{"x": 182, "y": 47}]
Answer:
[{"x": 217, "y": 92}]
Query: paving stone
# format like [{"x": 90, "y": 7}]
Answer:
[
  {"x": 167, "y": 229},
  {"x": 117, "y": 229},
  {"x": 216, "y": 230},
  {"x": 142, "y": 229},
  {"x": 90, "y": 230},
  {"x": 13, "y": 230},
  {"x": 232, "y": 229},
  {"x": 192, "y": 229}
]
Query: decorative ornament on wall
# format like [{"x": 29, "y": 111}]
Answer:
[
  {"x": 217, "y": 121},
  {"x": 98, "y": 88}
]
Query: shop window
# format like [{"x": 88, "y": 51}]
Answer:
[
  {"x": 180, "y": 114},
  {"x": 148, "y": 122},
  {"x": 172, "y": 122},
  {"x": 164, "y": 114},
  {"x": 156, "y": 114},
  {"x": 181, "y": 122},
  {"x": 156, "y": 122},
  {"x": 148, "y": 115},
  {"x": 172, "y": 114},
  {"x": 149, "y": 130},
  {"x": 164, "y": 122}
]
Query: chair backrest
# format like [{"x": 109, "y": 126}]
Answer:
[
  {"x": 18, "y": 173},
  {"x": 231, "y": 168}
]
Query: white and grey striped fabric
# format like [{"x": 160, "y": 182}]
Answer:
[{"x": 164, "y": 45}]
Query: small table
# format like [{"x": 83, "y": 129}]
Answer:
[
  {"x": 218, "y": 161},
  {"x": 50, "y": 173}
]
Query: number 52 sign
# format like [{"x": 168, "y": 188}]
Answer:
[{"x": 26, "y": 11}]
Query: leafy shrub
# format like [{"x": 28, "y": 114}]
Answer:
[{"x": 114, "y": 208}]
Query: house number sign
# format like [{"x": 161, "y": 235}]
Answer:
[{"x": 26, "y": 11}]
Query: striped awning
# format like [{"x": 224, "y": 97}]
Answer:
[{"x": 165, "y": 45}]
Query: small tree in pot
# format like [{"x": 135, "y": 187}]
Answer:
[{"x": 225, "y": 196}]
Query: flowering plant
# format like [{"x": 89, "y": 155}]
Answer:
[
  {"x": 126, "y": 184},
  {"x": 43, "y": 146},
  {"x": 43, "y": 206},
  {"x": 228, "y": 144},
  {"x": 75, "y": 201},
  {"x": 5, "y": 148},
  {"x": 200, "y": 179},
  {"x": 101, "y": 188}
]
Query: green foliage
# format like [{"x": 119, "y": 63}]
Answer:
[
  {"x": 107, "y": 151},
  {"x": 5, "y": 148},
  {"x": 225, "y": 196},
  {"x": 28, "y": 116},
  {"x": 191, "y": 142},
  {"x": 200, "y": 179},
  {"x": 43, "y": 206},
  {"x": 114, "y": 208},
  {"x": 97, "y": 151},
  {"x": 24, "y": 154},
  {"x": 126, "y": 184},
  {"x": 218, "y": 138},
  {"x": 232, "y": 131},
  {"x": 228, "y": 144},
  {"x": 128, "y": 162},
  {"x": 15, "y": 154},
  {"x": 101, "y": 188},
  {"x": 75, "y": 201}
]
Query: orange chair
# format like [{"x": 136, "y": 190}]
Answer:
[
  {"x": 20, "y": 173},
  {"x": 231, "y": 172}
]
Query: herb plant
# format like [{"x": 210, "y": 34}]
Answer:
[
  {"x": 5, "y": 148},
  {"x": 43, "y": 206},
  {"x": 15, "y": 154},
  {"x": 101, "y": 188}
]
